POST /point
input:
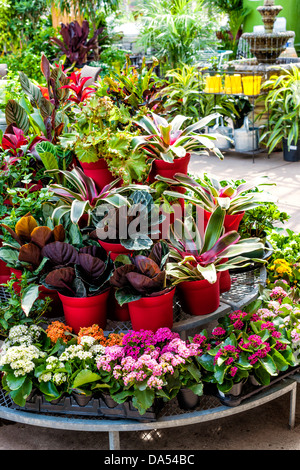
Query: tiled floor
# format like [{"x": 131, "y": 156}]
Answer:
[{"x": 285, "y": 176}]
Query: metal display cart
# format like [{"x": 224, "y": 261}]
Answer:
[
  {"x": 203, "y": 73},
  {"x": 244, "y": 290}
]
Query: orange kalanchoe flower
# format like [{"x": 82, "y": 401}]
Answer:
[
  {"x": 95, "y": 331},
  {"x": 58, "y": 330},
  {"x": 114, "y": 339}
]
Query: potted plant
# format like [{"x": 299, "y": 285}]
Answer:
[
  {"x": 130, "y": 227},
  {"x": 195, "y": 263},
  {"x": 169, "y": 146},
  {"x": 153, "y": 374},
  {"x": 81, "y": 278},
  {"x": 80, "y": 196},
  {"x": 19, "y": 359},
  {"x": 231, "y": 369},
  {"x": 209, "y": 193},
  {"x": 283, "y": 106},
  {"x": 141, "y": 282},
  {"x": 101, "y": 136},
  {"x": 137, "y": 88}
]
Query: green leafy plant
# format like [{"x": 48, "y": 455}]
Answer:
[
  {"x": 183, "y": 91},
  {"x": 140, "y": 276},
  {"x": 140, "y": 215},
  {"x": 177, "y": 30},
  {"x": 260, "y": 220},
  {"x": 13, "y": 311},
  {"x": 283, "y": 105},
  {"x": 103, "y": 130},
  {"x": 138, "y": 88}
]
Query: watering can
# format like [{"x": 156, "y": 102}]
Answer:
[
  {"x": 246, "y": 139},
  {"x": 222, "y": 134}
]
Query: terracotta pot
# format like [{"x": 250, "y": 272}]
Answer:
[
  {"x": 115, "y": 249},
  {"x": 152, "y": 313},
  {"x": 81, "y": 312},
  {"x": 99, "y": 172},
  {"x": 200, "y": 297},
  {"x": 168, "y": 170}
]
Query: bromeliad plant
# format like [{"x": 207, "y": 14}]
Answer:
[
  {"x": 167, "y": 141},
  {"x": 195, "y": 256},
  {"x": 209, "y": 193},
  {"x": 80, "y": 196},
  {"x": 140, "y": 276}
]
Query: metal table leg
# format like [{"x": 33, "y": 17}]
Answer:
[
  {"x": 114, "y": 440},
  {"x": 293, "y": 407}
]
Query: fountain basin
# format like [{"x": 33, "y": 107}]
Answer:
[{"x": 267, "y": 47}]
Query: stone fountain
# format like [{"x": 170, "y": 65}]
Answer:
[{"x": 268, "y": 46}]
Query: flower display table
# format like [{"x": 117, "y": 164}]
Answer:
[{"x": 244, "y": 290}]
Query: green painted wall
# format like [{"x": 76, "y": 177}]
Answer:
[{"x": 291, "y": 11}]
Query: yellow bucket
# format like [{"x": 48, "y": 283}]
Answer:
[{"x": 252, "y": 85}]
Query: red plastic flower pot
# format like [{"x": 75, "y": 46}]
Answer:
[
  {"x": 225, "y": 279},
  {"x": 99, "y": 172},
  {"x": 152, "y": 313},
  {"x": 232, "y": 221},
  {"x": 168, "y": 170},
  {"x": 4, "y": 269},
  {"x": 115, "y": 249},
  {"x": 56, "y": 305},
  {"x": 4, "y": 272},
  {"x": 199, "y": 297},
  {"x": 82, "y": 312},
  {"x": 116, "y": 311}
]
